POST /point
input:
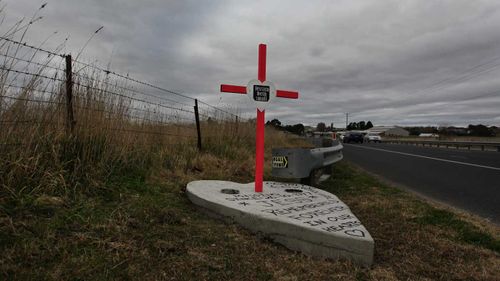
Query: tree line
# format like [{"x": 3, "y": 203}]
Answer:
[
  {"x": 362, "y": 125},
  {"x": 479, "y": 130},
  {"x": 297, "y": 129}
]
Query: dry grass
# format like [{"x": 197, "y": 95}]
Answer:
[
  {"x": 118, "y": 128},
  {"x": 106, "y": 201},
  {"x": 414, "y": 239},
  {"x": 146, "y": 229}
]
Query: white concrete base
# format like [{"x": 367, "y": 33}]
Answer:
[{"x": 300, "y": 217}]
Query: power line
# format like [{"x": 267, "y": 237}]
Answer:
[{"x": 468, "y": 74}]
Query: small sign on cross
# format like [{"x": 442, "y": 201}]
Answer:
[{"x": 261, "y": 92}]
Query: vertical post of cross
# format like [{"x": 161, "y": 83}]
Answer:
[
  {"x": 260, "y": 92},
  {"x": 260, "y": 128}
]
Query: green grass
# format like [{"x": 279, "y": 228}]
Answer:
[
  {"x": 97, "y": 237},
  {"x": 349, "y": 182},
  {"x": 466, "y": 232},
  {"x": 136, "y": 228}
]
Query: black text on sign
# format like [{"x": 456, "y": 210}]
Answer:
[{"x": 261, "y": 93}]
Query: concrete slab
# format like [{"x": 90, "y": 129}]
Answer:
[{"x": 300, "y": 217}]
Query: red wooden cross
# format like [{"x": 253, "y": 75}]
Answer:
[{"x": 259, "y": 138}]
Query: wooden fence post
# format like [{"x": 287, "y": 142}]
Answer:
[
  {"x": 237, "y": 125},
  {"x": 197, "y": 118},
  {"x": 70, "y": 119}
]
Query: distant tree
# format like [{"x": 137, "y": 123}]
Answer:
[
  {"x": 480, "y": 131},
  {"x": 298, "y": 129},
  {"x": 362, "y": 125},
  {"x": 275, "y": 123},
  {"x": 415, "y": 131},
  {"x": 430, "y": 130},
  {"x": 321, "y": 127}
]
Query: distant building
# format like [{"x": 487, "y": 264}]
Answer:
[
  {"x": 428, "y": 135},
  {"x": 388, "y": 131}
]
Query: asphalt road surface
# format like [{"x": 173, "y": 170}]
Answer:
[{"x": 468, "y": 180}]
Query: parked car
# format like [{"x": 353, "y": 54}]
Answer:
[
  {"x": 353, "y": 137},
  {"x": 373, "y": 137}
]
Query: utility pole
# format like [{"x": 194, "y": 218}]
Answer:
[{"x": 346, "y": 119}]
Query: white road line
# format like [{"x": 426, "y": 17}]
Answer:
[{"x": 426, "y": 157}]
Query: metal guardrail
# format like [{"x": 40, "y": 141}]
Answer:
[
  {"x": 304, "y": 163},
  {"x": 456, "y": 144}
]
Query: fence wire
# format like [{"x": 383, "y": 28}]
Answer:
[{"x": 43, "y": 92}]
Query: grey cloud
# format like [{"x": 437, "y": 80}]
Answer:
[{"x": 393, "y": 62}]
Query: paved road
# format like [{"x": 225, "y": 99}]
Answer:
[{"x": 469, "y": 180}]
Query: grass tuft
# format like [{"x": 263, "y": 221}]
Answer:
[{"x": 465, "y": 231}]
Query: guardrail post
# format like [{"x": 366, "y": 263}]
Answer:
[
  {"x": 70, "y": 119},
  {"x": 197, "y": 118},
  {"x": 312, "y": 179}
]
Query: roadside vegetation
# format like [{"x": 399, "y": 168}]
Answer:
[
  {"x": 106, "y": 200},
  {"x": 142, "y": 227}
]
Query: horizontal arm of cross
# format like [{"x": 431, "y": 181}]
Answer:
[
  {"x": 287, "y": 94},
  {"x": 243, "y": 90},
  {"x": 233, "y": 89}
]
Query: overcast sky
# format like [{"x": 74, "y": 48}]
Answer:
[{"x": 392, "y": 62}]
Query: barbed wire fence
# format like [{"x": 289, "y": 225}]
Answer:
[{"x": 53, "y": 93}]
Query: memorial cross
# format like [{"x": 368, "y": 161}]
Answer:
[{"x": 261, "y": 92}]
